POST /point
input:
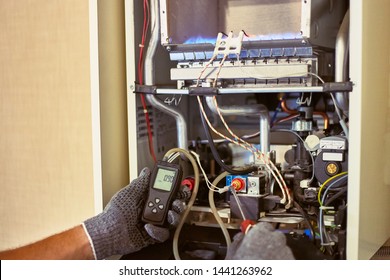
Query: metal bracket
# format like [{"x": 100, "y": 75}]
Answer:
[{"x": 207, "y": 91}]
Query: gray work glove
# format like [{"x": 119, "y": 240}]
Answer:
[
  {"x": 118, "y": 230},
  {"x": 162, "y": 234},
  {"x": 262, "y": 242}
]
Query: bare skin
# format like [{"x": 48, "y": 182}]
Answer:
[{"x": 72, "y": 244}]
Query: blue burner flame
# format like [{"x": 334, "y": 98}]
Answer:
[
  {"x": 200, "y": 40},
  {"x": 268, "y": 37}
]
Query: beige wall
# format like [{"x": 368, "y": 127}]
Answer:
[
  {"x": 369, "y": 186},
  {"x": 46, "y": 164}
]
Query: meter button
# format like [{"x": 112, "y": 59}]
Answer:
[
  {"x": 157, "y": 200},
  {"x": 150, "y": 204},
  {"x": 154, "y": 210},
  {"x": 161, "y": 206}
]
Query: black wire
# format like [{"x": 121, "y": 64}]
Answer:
[
  {"x": 304, "y": 215},
  {"x": 343, "y": 181},
  {"x": 336, "y": 196},
  {"x": 215, "y": 152}
]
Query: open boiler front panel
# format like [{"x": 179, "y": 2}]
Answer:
[{"x": 251, "y": 98}]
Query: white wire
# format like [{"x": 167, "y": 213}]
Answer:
[
  {"x": 215, "y": 211},
  {"x": 335, "y": 105},
  {"x": 338, "y": 112},
  {"x": 317, "y": 76},
  {"x": 337, "y": 109},
  {"x": 286, "y": 195},
  {"x": 233, "y": 190},
  {"x": 208, "y": 183},
  {"x": 173, "y": 156},
  {"x": 268, "y": 164}
]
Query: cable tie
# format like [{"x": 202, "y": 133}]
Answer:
[
  {"x": 328, "y": 244},
  {"x": 141, "y": 45},
  {"x": 326, "y": 207},
  {"x": 145, "y": 111}
]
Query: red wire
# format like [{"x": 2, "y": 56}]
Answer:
[{"x": 140, "y": 76}]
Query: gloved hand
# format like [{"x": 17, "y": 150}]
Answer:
[
  {"x": 118, "y": 230},
  {"x": 262, "y": 242}
]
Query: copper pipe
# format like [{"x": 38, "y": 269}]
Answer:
[
  {"x": 284, "y": 119},
  {"x": 285, "y": 109},
  {"x": 324, "y": 116}
]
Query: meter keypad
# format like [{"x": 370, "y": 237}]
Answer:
[{"x": 155, "y": 205}]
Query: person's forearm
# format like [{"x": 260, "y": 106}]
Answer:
[{"x": 70, "y": 244}]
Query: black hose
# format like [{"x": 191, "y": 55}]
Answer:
[{"x": 215, "y": 152}]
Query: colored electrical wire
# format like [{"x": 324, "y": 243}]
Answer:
[
  {"x": 140, "y": 76},
  {"x": 267, "y": 162},
  {"x": 285, "y": 119},
  {"x": 146, "y": 22},
  {"x": 321, "y": 223},
  {"x": 251, "y": 148},
  {"x": 326, "y": 182},
  {"x": 219, "y": 70},
  {"x": 283, "y": 187},
  {"x": 240, "y": 142},
  {"x": 210, "y": 185},
  {"x": 204, "y": 69},
  {"x": 215, "y": 153},
  {"x": 277, "y": 110}
]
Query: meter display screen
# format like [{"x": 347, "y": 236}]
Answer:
[{"x": 164, "y": 179}]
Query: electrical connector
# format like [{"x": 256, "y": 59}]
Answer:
[
  {"x": 224, "y": 189},
  {"x": 304, "y": 184}
]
